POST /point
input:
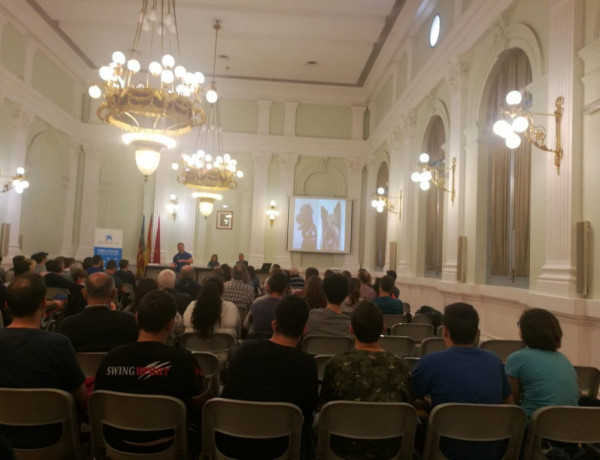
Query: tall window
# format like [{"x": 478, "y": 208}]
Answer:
[
  {"x": 509, "y": 192},
  {"x": 381, "y": 220},
  {"x": 434, "y": 218}
]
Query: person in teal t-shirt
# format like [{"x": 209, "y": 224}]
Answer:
[{"x": 539, "y": 374}]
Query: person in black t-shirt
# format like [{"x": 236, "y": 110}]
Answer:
[
  {"x": 273, "y": 370},
  {"x": 149, "y": 366}
]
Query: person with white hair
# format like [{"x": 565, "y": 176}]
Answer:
[{"x": 166, "y": 282}]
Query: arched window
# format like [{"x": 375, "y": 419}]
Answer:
[
  {"x": 434, "y": 214},
  {"x": 509, "y": 184}
]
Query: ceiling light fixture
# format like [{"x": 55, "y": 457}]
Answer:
[
  {"x": 209, "y": 171},
  {"x": 152, "y": 106},
  {"x": 517, "y": 120}
]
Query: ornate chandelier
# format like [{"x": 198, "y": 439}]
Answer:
[
  {"x": 209, "y": 170},
  {"x": 153, "y": 106}
]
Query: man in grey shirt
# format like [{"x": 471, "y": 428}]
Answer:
[{"x": 330, "y": 320}]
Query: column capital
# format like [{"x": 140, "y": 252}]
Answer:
[
  {"x": 500, "y": 37},
  {"x": 262, "y": 159},
  {"x": 92, "y": 149},
  {"x": 287, "y": 161},
  {"x": 408, "y": 122},
  {"x": 458, "y": 72},
  {"x": 22, "y": 117},
  {"x": 355, "y": 165}
]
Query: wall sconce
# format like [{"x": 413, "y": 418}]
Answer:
[
  {"x": 272, "y": 212},
  {"x": 434, "y": 175},
  {"x": 518, "y": 120},
  {"x": 173, "y": 207},
  {"x": 18, "y": 182},
  {"x": 382, "y": 201}
]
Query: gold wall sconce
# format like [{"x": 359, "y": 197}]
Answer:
[
  {"x": 173, "y": 206},
  {"x": 517, "y": 120},
  {"x": 17, "y": 182},
  {"x": 435, "y": 175},
  {"x": 272, "y": 212},
  {"x": 382, "y": 201}
]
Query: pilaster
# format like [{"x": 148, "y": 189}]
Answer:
[
  {"x": 286, "y": 189},
  {"x": 70, "y": 184},
  {"x": 354, "y": 176},
  {"x": 89, "y": 210},
  {"x": 259, "y": 205}
]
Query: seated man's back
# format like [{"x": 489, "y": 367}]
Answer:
[
  {"x": 330, "y": 320},
  {"x": 98, "y": 328}
]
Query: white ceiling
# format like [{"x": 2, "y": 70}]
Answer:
[{"x": 263, "y": 39}]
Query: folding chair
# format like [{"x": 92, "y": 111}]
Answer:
[
  {"x": 220, "y": 344},
  {"x": 502, "y": 348},
  {"x": 253, "y": 420},
  {"x": 588, "y": 379},
  {"x": 89, "y": 362},
  {"x": 422, "y": 319},
  {"x": 327, "y": 344},
  {"x": 475, "y": 422},
  {"x": 432, "y": 344},
  {"x": 140, "y": 413},
  {"x": 401, "y": 346},
  {"x": 42, "y": 406},
  {"x": 209, "y": 363},
  {"x": 367, "y": 420},
  {"x": 418, "y": 332},
  {"x": 389, "y": 320},
  {"x": 563, "y": 424}
]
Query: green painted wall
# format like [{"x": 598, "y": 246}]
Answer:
[
  {"x": 277, "y": 118},
  {"x": 239, "y": 115},
  {"x": 316, "y": 120},
  {"x": 49, "y": 79},
  {"x": 13, "y": 51}
]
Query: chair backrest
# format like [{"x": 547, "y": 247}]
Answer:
[
  {"x": 389, "y": 320},
  {"x": 254, "y": 420},
  {"x": 401, "y": 346},
  {"x": 411, "y": 361},
  {"x": 42, "y": 406},
  {"x": 405, "y": 307},
  {"x": 219, "y": 343},
  {"x": 421, "y": 319},
  {"x": 432, "y": 344},
  {"x": 327, "y": 344},
  {"x": 588, "y": 379},
  {"x": 89, "y": 362},
  {"x": 367, "y": 420},
  {"x": 475, "y": 422},
  {"x": 137, "y": 413},
  {"x": 440, "y": 331},
  {"x": 209, "y": 363},
  {"x": 418, "y": 332},
  {"x": 502, "y": 348},
  {"x": 564, "y": 424},
  {"x": 321, "y": 362}
]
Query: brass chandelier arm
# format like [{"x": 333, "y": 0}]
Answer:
[{"x": 440, "y": 181}]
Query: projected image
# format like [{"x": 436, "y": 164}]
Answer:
[{"x": 319, "y": 225}]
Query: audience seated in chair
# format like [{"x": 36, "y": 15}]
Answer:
[
  {"x": 32, "y": 358},
  {"x": 367, "y": 373},
  {"x": 237, "y": 290},
  {"x": 273, "y": 370},
  {"x": 462, "y": 373},
  {"x": 149, "y": 366},
  {"x": 330, "y": 320},
  {"x": 99, "y": 327},
  {"x": 262, "y": 311},
  {"x": 388, "y": 304},
  {"x": 187, "y": 284}
]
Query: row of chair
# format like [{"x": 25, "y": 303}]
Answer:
[{"x": 358, "y": 420}]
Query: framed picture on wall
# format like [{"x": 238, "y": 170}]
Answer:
[{"x": 224, "y": 220}]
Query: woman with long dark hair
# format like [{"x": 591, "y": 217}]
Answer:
[
  {"x": 210, "y": 313},
  {"x": 314, "y": 293}
]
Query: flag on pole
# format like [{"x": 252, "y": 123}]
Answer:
[
  {"x": 149, "y": 243},
  {"x": 156, "y": 258},
  {"x": 140, "y": 261}
]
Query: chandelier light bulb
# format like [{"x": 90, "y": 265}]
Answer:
[
  {"x": 211, "y": 96},
  {"x": 513, "y": 141},
  {"x": 380, "y": 191},
  {"x": 20, "y": 170},
  {"x": 155, "y": 68},
  {"x": 208, "y": 157},
  {"x": 118, "y": 58},
  {"x": 502, "y": 128},
  {"x": 167, "y": 76},
  {"x": 415, "y": 177},
  {"x": 424, "y": 158},
  {"x": 520, "y": 124},
  {"x": 209, "y": 166},
  {"x": 180, "y": 89},
  {"x": 106, "y": 73},
  {"x": 180, "y": 71},
  {"x": 374, "y": 203},
  {"x": 227, "y": 157},
  {"x": 425, "y": 176},
  {"x": 133, "y": 65},
  {"x": 198, "y": 78},
  {"x": 219, "y": 159},
  {"x": 147, "y": 160},
  {"x": 168, "y": 60},
  {"x": 514, "y": 98},
  {"x": 425, "y": 185},
  {"x": 239, "y": 174},
  {"x": 175, "y": 166},
  {"x": 94, "y": 91}
]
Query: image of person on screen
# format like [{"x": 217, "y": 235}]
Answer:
[
  {"x": 307, "y": 227},
  {"x": 331, "y": 224}
]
